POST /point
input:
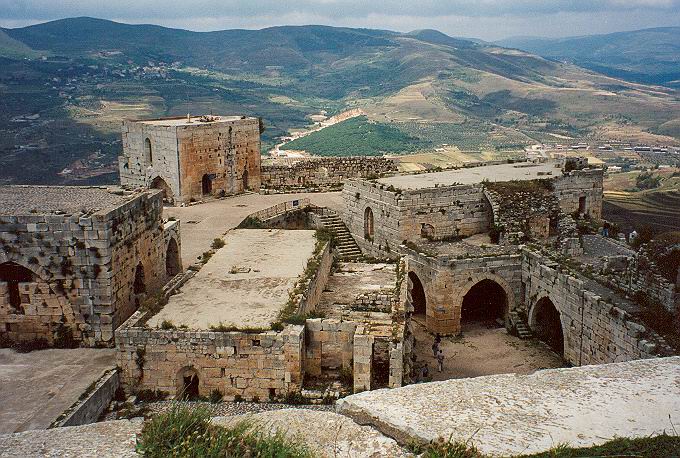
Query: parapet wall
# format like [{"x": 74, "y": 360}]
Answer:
[
  {"x": 580, "y": 191},
  {"x": 262, "y": 365},
  {"x": 595, "y": 331},
  {"x": 324, "y": 172}
]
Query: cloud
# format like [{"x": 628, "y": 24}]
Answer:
[{"x": 485, "y": 18}]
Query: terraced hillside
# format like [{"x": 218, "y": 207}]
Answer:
[{"x": 60, "y": 110}]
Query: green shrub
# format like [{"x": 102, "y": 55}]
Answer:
[
  {"x": 167, "y": 325},
  {"x": 217, "y": 244},
  {"x": 188, "y": 432},
  {"x": 251, "y": 223}
]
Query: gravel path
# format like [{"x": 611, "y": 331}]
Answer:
[{"x": 223, "y": 409}]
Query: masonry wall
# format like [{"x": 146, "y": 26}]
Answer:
[
  {"x": 82, "y": 269},
  {"x": 401, "y": 215},
  {"x": 446, "y": 281},
  {"x": 262, "y": 365},
  {"x": 324, "y": 172},
  {"x": 595, "y": 331},
  {"x": 135, "y": 170},
  {"x": 329, "y": 345},
  {"x": 228, "y": 152},
  {"x": 571, "y": 187}
]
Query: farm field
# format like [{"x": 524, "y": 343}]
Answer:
[{"x": 632, "y": 209}]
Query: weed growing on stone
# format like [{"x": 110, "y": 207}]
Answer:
[
  {"x": 188, "y": 432},
  {"x": 217, "y": 244}
]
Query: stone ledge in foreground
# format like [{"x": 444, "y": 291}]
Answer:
[{"x": 511, "y": 414}]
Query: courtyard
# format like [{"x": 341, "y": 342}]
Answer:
[
  {"x": 38, "y": 386},
  {"x": 482, "y": 349}
]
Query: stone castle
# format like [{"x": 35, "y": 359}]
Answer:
[
  {"x": 189, "y": 158},
  {"x": 304, "y": 292}
]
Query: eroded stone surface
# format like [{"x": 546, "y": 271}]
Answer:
[
  {"x": 100, "y": 440},
  {"x": 326, "y": 433},
  {"x": 511, "y": 414}
]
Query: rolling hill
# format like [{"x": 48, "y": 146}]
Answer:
[
  {"x": 63, "y": 96},
  {"x": 649, "y": 56}
]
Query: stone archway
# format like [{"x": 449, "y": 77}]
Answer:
[
  {"x": 485, "y": 302},
  {"x": 172, "y": 264},
  {"x": 369, "y": 230},
  {"x": 545, "y": 321},
  {"x": 417, "y": 295},
  {"x": 160, "y": 183},
  {"x": 496, "y": 280}
]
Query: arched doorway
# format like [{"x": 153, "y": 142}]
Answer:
[
  {"x": 172, "y": 266},
  {"x": 547, "y": 325},
  {"x": 486, "y": 302},
  {"x": 139, "y": 286},
  {"x": 368, "y": 224},
  {"x": 148, "y": 154},
  {"x": 187, "y": 384},
  {"x": 13, "y": 274},
  {"x": 206, "y": 184},
  {"x": 417, "y": 294},
  {"x": 160, "y": 183},
  {"x": 427, "y": 231}
]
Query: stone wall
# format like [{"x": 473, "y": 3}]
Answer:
[
  {"x": 226, "y": 151},
  {"x": 595, "y": 330},
  {"x": 89, "y": 409},
  {"x": 580, "y": 187},
  {"x": 324, "y": 172},
  {"x": 446, "y": 281},
  {"x": 262, "y": 365},
  {"x": 413, "y": 215},
  {"x": 316, "y": 285},
  {"x": 329, "y": 345},
  {"x": 82, "y": 268}
]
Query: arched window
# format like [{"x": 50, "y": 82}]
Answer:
[
  {"x": 368, "y": 224},
  {"x": 148, "y": 154}
]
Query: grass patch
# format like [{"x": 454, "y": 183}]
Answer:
[
  {"x": 664, "y": 445},
  {"x": 188, "y": 432}
]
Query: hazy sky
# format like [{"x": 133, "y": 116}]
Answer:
[{"x": 486, "y": 19}]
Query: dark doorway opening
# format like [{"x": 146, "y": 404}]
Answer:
[
  {"x": 206, "y": 184},
  {"x": 582, "y": 205},
  {"x": 245, "y": 180},
  {"x": 380, "y": 365},
  {"x": 486, "y": 302},
  {"x": 172, "y": 266},
  {"x": 13, "y": 274},
  {"x": 139, "y": 285},
  {"x": 368, "y": 224},
  {"x": 548, "y": 325},
  {"x": 190, "y": 385},
  {"x": 417, "y": 292}
]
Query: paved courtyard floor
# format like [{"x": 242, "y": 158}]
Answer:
[
  {"x": 482, "y": 350},
  {"x": 36, "y": 387},
  {"x": 202, "y": 223}
]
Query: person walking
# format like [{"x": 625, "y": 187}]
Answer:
[
  {"x": 440, "y": 360},
  {"x": 435, "y": 348}
]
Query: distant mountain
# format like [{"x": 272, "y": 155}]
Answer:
[
  {"x": 649, "y": 56},
  {"x": 65, "y": 85}
]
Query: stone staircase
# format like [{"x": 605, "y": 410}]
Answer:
[
  {"x": 345, "y": 245},
  {"x": 523, "y": 330}
]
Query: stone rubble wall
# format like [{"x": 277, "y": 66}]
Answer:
[
  {"x": 324, "y": 172},
  {"x": 260, "y": 365},
  {"x": 84, "y": 267},
  {"x": 595, "y": 331}
]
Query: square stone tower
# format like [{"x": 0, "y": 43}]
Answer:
[{"x": 192, "y": 157}]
